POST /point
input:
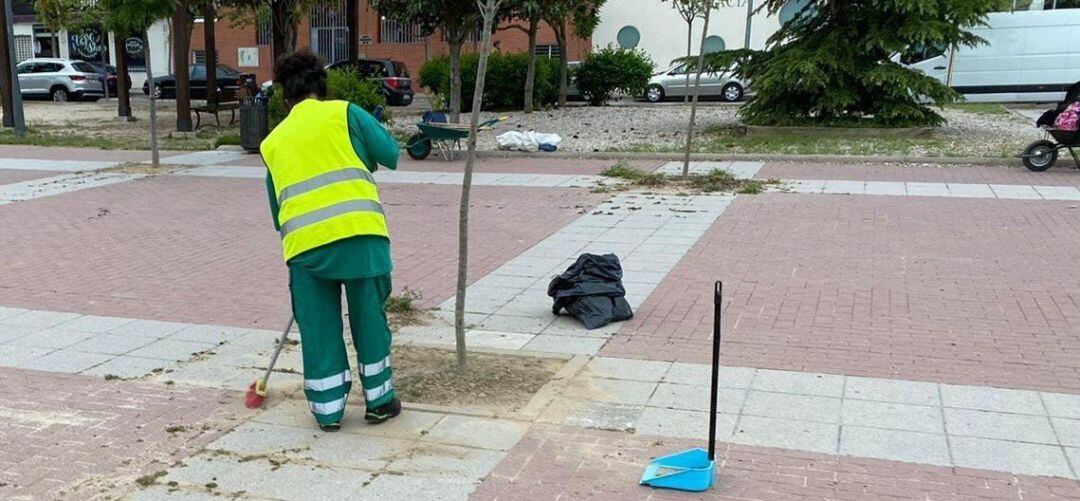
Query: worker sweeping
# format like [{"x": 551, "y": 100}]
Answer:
[{"x": 326, "y": 207}]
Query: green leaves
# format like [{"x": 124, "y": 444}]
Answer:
[
  {"x": 134, "y": 16},
  {"x": 613, "y": 69}
]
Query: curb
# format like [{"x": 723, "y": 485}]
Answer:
[{"x": 769, "y": 157}]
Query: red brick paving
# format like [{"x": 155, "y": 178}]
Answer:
[
  {"x": 67, "y": 436},
  {"x": 1063, "y": 175},
  {"x": 531, "y": 165},
  {"x": 203, "y": 250},
  {"x": 565, "y": 463},
  {"x": 980, "y": 292},
  {"x": 8, "y": 176}
]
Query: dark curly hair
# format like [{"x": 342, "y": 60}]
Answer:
[{"x": 300, "y": 74}]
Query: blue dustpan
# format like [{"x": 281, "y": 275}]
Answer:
[
  {"x": 689, "y": 470},
  {"x": 693, "y": 469}
]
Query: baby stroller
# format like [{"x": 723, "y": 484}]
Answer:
[{"x": 1042, "y": 154}]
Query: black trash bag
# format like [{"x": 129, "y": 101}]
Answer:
[{"x": 591, "y": 290}]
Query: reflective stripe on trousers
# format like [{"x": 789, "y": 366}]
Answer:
[
  {"x": 324, "y": 179},
  {"x": 378, "y": 391},
  {"x": 327, "y": 408},
  {"x": 368, "y": 370},
  {"x": 328, "y": 212},
  {"x": 329, "y": 382}
]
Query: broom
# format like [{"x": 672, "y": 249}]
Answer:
[{"x": 256, "y": 394}]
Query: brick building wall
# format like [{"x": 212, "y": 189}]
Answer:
[{"x": 229, "y": 38}]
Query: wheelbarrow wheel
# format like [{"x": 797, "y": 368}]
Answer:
[
  {"x": 1040, "y": 155},
  {"x": 419, "y": 146}
]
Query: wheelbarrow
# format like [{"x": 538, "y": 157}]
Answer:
[{"x": 446, "y": 137}]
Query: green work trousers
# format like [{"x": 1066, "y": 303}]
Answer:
[{"x": 327, "y": 378}]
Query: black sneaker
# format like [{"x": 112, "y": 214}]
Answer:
[
  {"x": 383, "y": 412},
  {"x": 330, "y": 427}
]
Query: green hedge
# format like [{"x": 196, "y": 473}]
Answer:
[
  {"x": 340, "y": 84},
  {"x": 505, "y": 84},
  {"x": 613, "y": 69}
]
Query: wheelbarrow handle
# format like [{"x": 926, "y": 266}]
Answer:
[{"x": 718, "y": 294}]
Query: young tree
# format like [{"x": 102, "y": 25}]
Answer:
[
  {"x": 812, "y": 73},
  {"x": 136, "y": 16},
  {"x": 697, "y": 88},
  {"x": 123, "y": 96},
  {"x": 209, "y": 14},
  {"x": 488, "y": 10},
  {"x": 688, "y": 10},
  {"x": 457, "y": 19},
  {"x": 181, "y": 33},
  {"x": 577, "y": 17}
]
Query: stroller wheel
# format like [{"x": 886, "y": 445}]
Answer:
[{"x": 1040, "y": 155}]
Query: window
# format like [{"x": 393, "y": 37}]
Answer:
[
  {"x": 391, "y": 31},
  {"x": 793, "y": 9},
  {"x": 265, "y": 33},
  {"x": 628, "y": 37},
  {"x": 24, "y": 47},
  {"x": 551, "y": 50},
  {"x": 200, "y": 56},
  {"x": 84, "y": 67},
  {"x": 48, "y": 68},
  {"x": 714, "y": 43},
  {"x": 920, "y": 52},
  {"x": 25, "y": 68}
]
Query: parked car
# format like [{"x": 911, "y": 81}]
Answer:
[
  {"x": 229, "y": 81},
  {"x": 393, "y": 75},
  {"x": 110, "y": 75},
  {"x": 59, "y": 79},
  {"x": 672, "y": 83}
]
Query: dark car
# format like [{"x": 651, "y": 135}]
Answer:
[
  {"x": 229, "y": 82},
  {"x": 393, "y": 75},
  {"x": 110, "y": 75}
]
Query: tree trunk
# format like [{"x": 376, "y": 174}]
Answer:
[
  {"x": 689, "y": 50},
  {"x": 284, "y": 29},
  {"x": 104, "y": 62},
  {"x": 155, "y": 159},
  {"x": 7, "y": 70},
  {"x": 488, "y": 10},
  {"x": 210, "y": 49},
  {"x": 181, "y": 30},
  {"x": 123, "y": 97},
  {"x": 352, "y": 21},
  {"x": 697, "y": 90},
  {"x": 455, "y": 76},
  {"x": 564, "y": 69},
  {"x": 530, "y": 73}
]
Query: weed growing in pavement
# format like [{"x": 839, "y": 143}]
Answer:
[
  {"x": 717, "y": 180},
  {"x": 403, "y": 310}
]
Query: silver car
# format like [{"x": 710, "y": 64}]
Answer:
[
  {"x": 672, "y": 83},
  {"x": 59, "y": 79}
]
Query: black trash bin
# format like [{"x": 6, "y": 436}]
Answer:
[{"x": 254, "y": 122}]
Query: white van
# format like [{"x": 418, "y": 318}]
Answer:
[{"x": 1032, "y": 54}]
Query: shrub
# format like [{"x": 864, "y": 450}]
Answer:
[
  {"x": 613, "y": 69},
  {"x": 505, "y": 80},
  {"x": 340, "y": 84}
]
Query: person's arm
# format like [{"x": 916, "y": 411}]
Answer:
[
  {"x": 273, "y": 200},
  {"x": 373, "y": 143}
]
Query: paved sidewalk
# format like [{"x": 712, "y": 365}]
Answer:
[{"x": 946, "y": 190}]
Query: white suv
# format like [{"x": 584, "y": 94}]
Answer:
[{"x": 59, "y": 79}]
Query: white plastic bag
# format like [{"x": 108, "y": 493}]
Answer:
[{"x": 525, "y": 141}]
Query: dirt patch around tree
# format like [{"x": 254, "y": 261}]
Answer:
[{"x": 492, "y": 381}]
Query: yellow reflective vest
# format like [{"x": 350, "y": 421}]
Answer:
[{"x": 325, "y": 191}]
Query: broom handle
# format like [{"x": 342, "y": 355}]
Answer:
[
  {"x": 717, "y": 294},
  {"x": 277, "y": 350}
]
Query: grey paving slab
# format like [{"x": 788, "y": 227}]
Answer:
[
  {"x": 1067, "y": 430},
  {"x": 1062, "y": 405},
  {"x": 494, "y": 434},
  {"x": 992, "y": 399},
  {"x": 166, "y": 349},
  {"x": 355, "y": 451},
  {"x": 605, "y": 416},
  {"x": 67, "y": 361},
  {"x": 446, "y": 462},
  {"x": 804, "y": 186},
  {"x": 9, "y": 333},
  {"x": 169, "y": 493},
  {"x": 51, "y": 338},
  {"x": 1016, "y": 191},
  {"x": 927, "y": 189},
  {"x": 14, "y": 356},
  {"x": 1014, "y": 457},
  {"x": 93, "y": 323},
  {"x": 128, "y": 367},
  {"x": 963, "y": 190},
  {"x": 621, "y": 368},
  {"x": 210, "y": 334},
  {"x": 416, "y": 489},
  {"x": 683, "y": 424},
  {"x": 908, "y": 446},
  {"x": 1058, "y": 192},
  {"x": 211, "y": 157},
  {"x": 6, "y": 312},
  {"x": 885, "y": 188},
  {"x": 619, "y": 391},
  {"x": 39, "y": 319},
  {"x": 787, "y": 434},
  {"x": 148, "y": 328},
  {"x": 985, "y": 424},
  {"x": 680, "y": 396},
  {"x": 55, "y": 165},
  {"x": 891, "y": 390},
  {"x": 845, "y": 187},
  {"x": 892, "y": 416},
  {"x": 791, "y": 406},
  {"x": 410, "y": 425},
  {"x": 498, "y": 340},
  {"x": 111, "y": 344},
  {"x": 566, "y": 344},
  {"x": 701, "y": 375},
  {"x": 803, "y": 383},
  {"x": 275, "y": 481},
  {"x": 253, "y": 438}
]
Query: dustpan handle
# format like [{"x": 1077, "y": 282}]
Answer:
[{"x": 717, "y": 295}]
